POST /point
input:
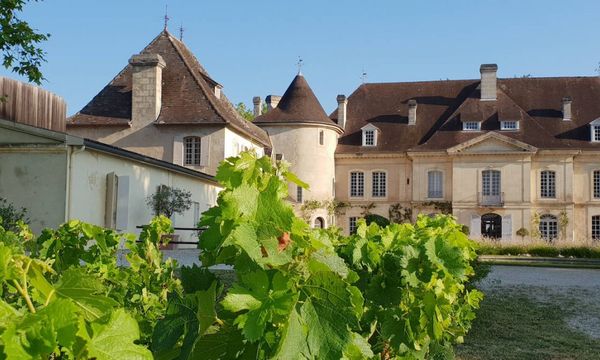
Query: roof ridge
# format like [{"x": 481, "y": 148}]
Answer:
[
  {"x": 209, "y": 94},
  {"x": 189, "y": 68}
]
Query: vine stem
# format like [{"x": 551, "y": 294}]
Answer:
[{"x": 25, "y": 295}]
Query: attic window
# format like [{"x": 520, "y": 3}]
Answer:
[
  {"x": 595, "y": 132},
  {"x": 509, "y": 125},
  {"x": 369, "y": 138},
  {"x": 471, "y": 126},
  {"x": 218, "y": 91}
]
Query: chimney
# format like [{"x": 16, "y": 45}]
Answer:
[
  {"x": 566, "y": 108},
  {"x": 272, "y": 101},
  {"x": 412, "y": 112},
  {"x": 257, "y": 101},
  {"x": 342, "y": 113},
  {"x": 146, "y": 87},
  {"x": 488, "y": 81}
]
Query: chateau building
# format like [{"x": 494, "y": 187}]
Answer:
[
  {"x": 500, "y": 154},
  {"x": 164, "y": 104}
]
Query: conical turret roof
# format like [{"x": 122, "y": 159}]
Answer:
[{"x": 297, "y": 105}]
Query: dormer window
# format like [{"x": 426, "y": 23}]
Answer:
[
  {"x": 509, "y": 125},
  {"x": 369, "y": 135},
  {"x": 595, "y": 130},
  {"x": 471, "y": 126}
]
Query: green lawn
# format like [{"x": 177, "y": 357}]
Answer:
[{"x": 515, "y": 324}]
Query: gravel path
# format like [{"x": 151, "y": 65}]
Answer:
[{"x": 575, "y": 291}]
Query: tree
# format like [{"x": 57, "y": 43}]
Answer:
[
  {"x": 10, "y": 216},
  {"x": 522, "y": 232},
  {"x": 168, "y": 201},
  {"x": 247, "y": 113},
  {"x": 19, "y": 42}
]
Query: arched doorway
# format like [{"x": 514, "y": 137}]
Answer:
[
  {"x": 319, "y": 223},
  {"x": 491, "y": 226}
]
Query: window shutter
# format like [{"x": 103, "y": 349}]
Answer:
[
  {"x": 507, "y": 227},
  {"x": 204, "y": 151},
  {"x": 178, "y": 151},
  {"x": 475, "y": 227},
  {"x": 110, "y": 206},
  {"x": 122, "y": 217}
]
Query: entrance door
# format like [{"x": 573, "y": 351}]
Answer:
[
  {"x": 491, "y": 226},
  {"x": 319, "y": 223}
]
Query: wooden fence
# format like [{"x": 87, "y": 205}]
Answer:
[{"x": 31, "y": 105}]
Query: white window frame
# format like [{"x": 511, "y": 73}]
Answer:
[
  {"x": 369, "y": 138},
  {"x": 548, "y": 184},
  {"x": 352, "y": 220},
  {"x": 433, "y": 193},
  {"x": 549, "y": 227},
  {"x": 369, "y": 129},
  {"x": 491, "y": 180},
  {"x": 595, "y": 182},
  {"x": 595, "y": 228},
  {"x": 194, "y": 144},
  {"x": 595, "y": 130},
  {"x": 466, "y": 126},
  {"x": 356, "y": 190},
  {"x": 379, "y": 184},
  {"x": 504, "y": 125}
]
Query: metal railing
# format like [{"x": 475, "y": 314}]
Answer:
[
  {"x": 199, "y": 230},
  {"x": 490, "y": 200}
]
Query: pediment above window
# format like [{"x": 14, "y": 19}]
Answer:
[{"x": 490, "y": 143}]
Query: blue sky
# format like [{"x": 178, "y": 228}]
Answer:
[{"x": 251, "y": 47}]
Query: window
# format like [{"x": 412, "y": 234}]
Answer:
[
  {"x": 357, "y": 184},
  {"x": 596, "y": 227},
  {"x": 548, "y": 184},
  {"x": 299, "y": 194},
  {"x": 471, "y": 125},
  {"x": 352, "y": 225},
  {"x": 509, "y": 125},
  {"x": 435, "y": 189},
  {"x": 379, "y": 184},
  {"x": 369, "y": 138},
  {"x": 596, "y": 184},
  {"x": 491, "y": 182},
  {"x": 548, "y": 227},
  {"x": 321, "y": 137},
  {"x": 595, "y": 132},
  {"x": 191, "y": 150}
]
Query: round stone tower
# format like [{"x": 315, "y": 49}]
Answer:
[{"x": 302, "y": 134}]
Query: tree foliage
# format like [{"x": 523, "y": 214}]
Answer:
[
  {"x": 11, "y": 216},
  {"x": 19, "y": 43},
  {"x": 248, "y": 113},
  {"x": 168, "y": 201}
]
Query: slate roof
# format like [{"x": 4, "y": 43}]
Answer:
[
  {"x": 298, "y": 104},
  {"x": 442, "y": 105},
  {"x": 188, "y": 96}
]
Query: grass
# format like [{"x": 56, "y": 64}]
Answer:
[{"x": 510, "y": 325}]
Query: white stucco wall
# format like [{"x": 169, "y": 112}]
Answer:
[
  {"x": 235, "y": 143},
  {"x": 88, "y": 175},
  {"x": 312, "y": 162},
  {"x": 35, "y": 179}
]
